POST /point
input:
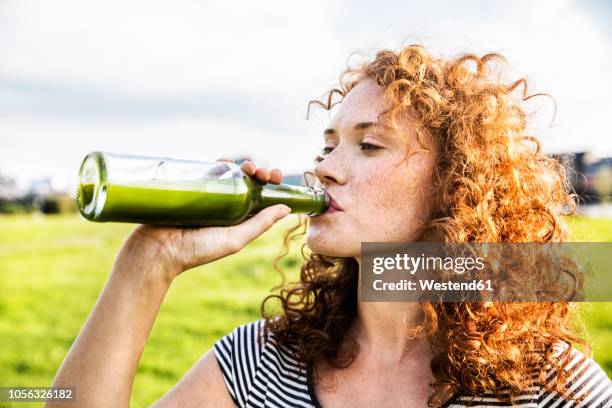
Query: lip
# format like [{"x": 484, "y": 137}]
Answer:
[{"x": 333, "y": 205}]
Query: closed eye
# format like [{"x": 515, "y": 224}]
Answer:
[{"x": 369, "y": 147}]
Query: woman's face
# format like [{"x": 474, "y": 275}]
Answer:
[{"x": 380, "y": 177}]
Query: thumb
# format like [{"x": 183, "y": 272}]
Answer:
[{"x": 243, "y": 233}]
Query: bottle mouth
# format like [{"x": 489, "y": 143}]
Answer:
[
  {"x": 327, "y": 199},
  {"x": 91, "y": 188},
  {"x": 318, "y": 191}
]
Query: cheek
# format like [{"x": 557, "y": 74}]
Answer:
[{"x": 392, "y": 206}]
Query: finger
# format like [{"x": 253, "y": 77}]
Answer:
[
  {"x": 225, "y": 159},
  {"x": 248, "y": 167},
  {"x": 243, "y": 233},
  {"x": 262, "y": 174},
  {"x": 276, "y": 176}
]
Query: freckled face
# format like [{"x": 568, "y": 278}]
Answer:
[{"x": 379, "y": 176}]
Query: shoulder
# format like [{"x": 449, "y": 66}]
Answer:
[
  {"x": 237, "y": 354},
  {"x": 586, "y": 382},
  {"x": 248, "y": 344},
  {"x": 240, "y": 340},
  {"x": 254, "y": 365}
]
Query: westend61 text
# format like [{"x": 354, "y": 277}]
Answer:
[{"x": 430, "y": 284}]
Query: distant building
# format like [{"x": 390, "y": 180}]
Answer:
[
  {"x": 589, "y": 174},
  {"x": 8, "y": 189}
]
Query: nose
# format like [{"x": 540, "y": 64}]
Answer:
[{"x": 330, "y": 170}]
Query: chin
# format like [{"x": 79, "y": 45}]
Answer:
[{"x": 324, "y": 243}]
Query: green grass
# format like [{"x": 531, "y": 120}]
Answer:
[
  {"x": 597, "y": 317},
  {"x": 52, "y": 270}
]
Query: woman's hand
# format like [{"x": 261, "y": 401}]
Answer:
[{"x": 177, "y": 249}]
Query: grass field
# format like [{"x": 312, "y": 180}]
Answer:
[{"x": 53, "y": 268}]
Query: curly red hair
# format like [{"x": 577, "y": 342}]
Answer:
[{"x": 493, "y": 184}]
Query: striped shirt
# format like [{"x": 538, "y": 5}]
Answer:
[{"x": 269, "y": 375}]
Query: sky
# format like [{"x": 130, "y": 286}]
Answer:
[{"x": 202, "y": 80}]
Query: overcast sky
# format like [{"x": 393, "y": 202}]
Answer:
[{"x": 202, "y": 80}]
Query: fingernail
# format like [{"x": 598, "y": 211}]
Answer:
[{"x": 284, "y": 210}]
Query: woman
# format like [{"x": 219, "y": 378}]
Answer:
[{"x": 421, "y": 148}]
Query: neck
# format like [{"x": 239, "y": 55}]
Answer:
[{"x": 386, "y": 328}]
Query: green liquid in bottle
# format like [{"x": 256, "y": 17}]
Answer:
[{"x": 184, "y": 202}]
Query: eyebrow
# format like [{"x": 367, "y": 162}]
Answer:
[{"x": 358, "y": 126}]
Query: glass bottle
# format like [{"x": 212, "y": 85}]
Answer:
[{"x": 165, "y": 191}]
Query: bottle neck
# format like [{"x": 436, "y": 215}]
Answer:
[{"x": 301, "y": 200}]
